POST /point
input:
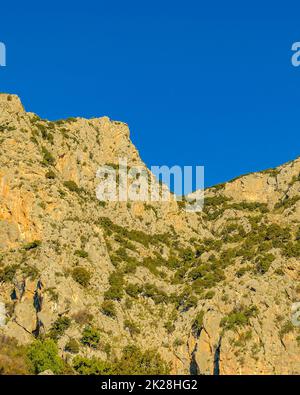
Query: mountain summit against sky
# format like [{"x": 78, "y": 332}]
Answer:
[{"x": 108, "y": 286}]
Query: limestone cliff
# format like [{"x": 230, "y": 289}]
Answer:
[{"x": 212, "y": 292}]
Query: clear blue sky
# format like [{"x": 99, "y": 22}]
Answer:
[{"x": 199, "y": 82}]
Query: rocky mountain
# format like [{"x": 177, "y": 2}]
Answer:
[{"x": 214, "y": 292}]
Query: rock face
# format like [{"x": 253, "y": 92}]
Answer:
[
  {"x": 2, "y": 314},
  {"x": 212, "y": 292}
]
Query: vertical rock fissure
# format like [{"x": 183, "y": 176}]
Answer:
[
  {"x": 194, "y": 368},
  {"x": 217, "y": 355},
  {"x": 37, "y": 303}
]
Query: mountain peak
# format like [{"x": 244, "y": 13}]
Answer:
[{"x": 10, "y": 104}]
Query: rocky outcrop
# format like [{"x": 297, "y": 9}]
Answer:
[{"x": 237, "y": 263}]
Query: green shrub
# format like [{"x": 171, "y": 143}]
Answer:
[
  {"x": 215, "y": 201},
  {"x": 233, "y": 233},
  {"x": 93, "y": 366},
  {"x": 136, "y": 362},
  {"x": 81, "y": 276},
  {"x": 206, "y": 275},
  {"x": 169, "y": 326},
  {"x": 45, "y": 134},
  {"x": 243, "y": 338},
  {"x": 32, "y": 245},
  {"x": 7, "y": 274},
  {"x": 133, "y": 290},
  {"x": 238, "y": 317},
  {"x": 59, "y": 327},
  {"x": 178, "y": 342},
  {"x": 108, "y": 309},
  {"x": 264, "y": 262},
  {"x": 52, "y": 293},
  {"x": 287, "y": 203},
  {"x": 116, "y": 281},
  {"x": 133, "y": 235},
  {"x": 131, "y": 265},
  {"x": 197, "y": 324},
  {"x": 278, "y": 235},
  {"x": 184, "y": 301},
  {"x": 157, "y": 295},
  {"x": 132, "y": 362},
  {"x": 297, "y": 237},
  {"x": 272, "y": 172},
  {"x": 43, "y": 355},
  {"x": 72, "y": 346},
  {"x": 286, "y": 328},
  {"x": 50, "y": 175},
  {"x": 81, "y": 253},
  {"x": 209, "y": 295},
  {"x": 292, "y": 250},
  {"x": 132, "y": 327},
  {"x": 72, "y": 186},
  {"x": 250, "y": 206},
  {"x": 48, "y": 159},
  {"x": 243, "y": 270},
  {"x": 90, "y": 337},
  {"x": 30, "y": 272},
  {"x": 83, "y": 317}
]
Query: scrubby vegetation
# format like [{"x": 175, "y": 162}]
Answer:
[
  {"x": 197, "y": 324},
  {"x": 116, "y": 281},
  {"x": 136, "y": 272},
  {"x": 48, "y": 159},
  {"x": 132, "y": 362},
  {"x": 72, "y": 346},
  {"x": 8, "y": 272},
  {"x": 83, "y": 317},
  {"x": 43, "y": 355},
  {"x": 132, "y": 235},
  {"x": 59, "y": 327},
  {"x": 239, "y": 317},
  {"x": 81, "y": 253},
  {"x": 90, "y": 336},
  {"x": 72, "y": 186},
  {"x": 32, "y": 245},
  {"x": 13, "y": 358},
  {"x": 81, "y": 276},
  {"x": 132, "y": 327},
  {"x": 108, "y": 309}
]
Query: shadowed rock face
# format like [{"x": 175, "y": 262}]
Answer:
[{"x": 159, "y": 267}]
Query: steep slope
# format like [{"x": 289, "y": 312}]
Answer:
[{"x": 212, "y": 292}]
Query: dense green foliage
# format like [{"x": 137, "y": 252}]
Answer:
[
  {"x": 81, "y": 276},
  {"x": 72, "y": 346},
  {"x": 72, "y": 186},
  {"x": 238, "y": 317},
  {"x": 59, "y": 327},
  {"x": 133, "y": 234},
  {"x": 90, "y": 336},
  {"x": 108, "y": 308},
  {"x": 116, "y": 282},
  {"x": 133, "y": 361},
  {"x": 43, "y": 355},
  {"x": 8, "y": 272}
]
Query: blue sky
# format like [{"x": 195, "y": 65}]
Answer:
[{"x": 198, "y": 82}]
